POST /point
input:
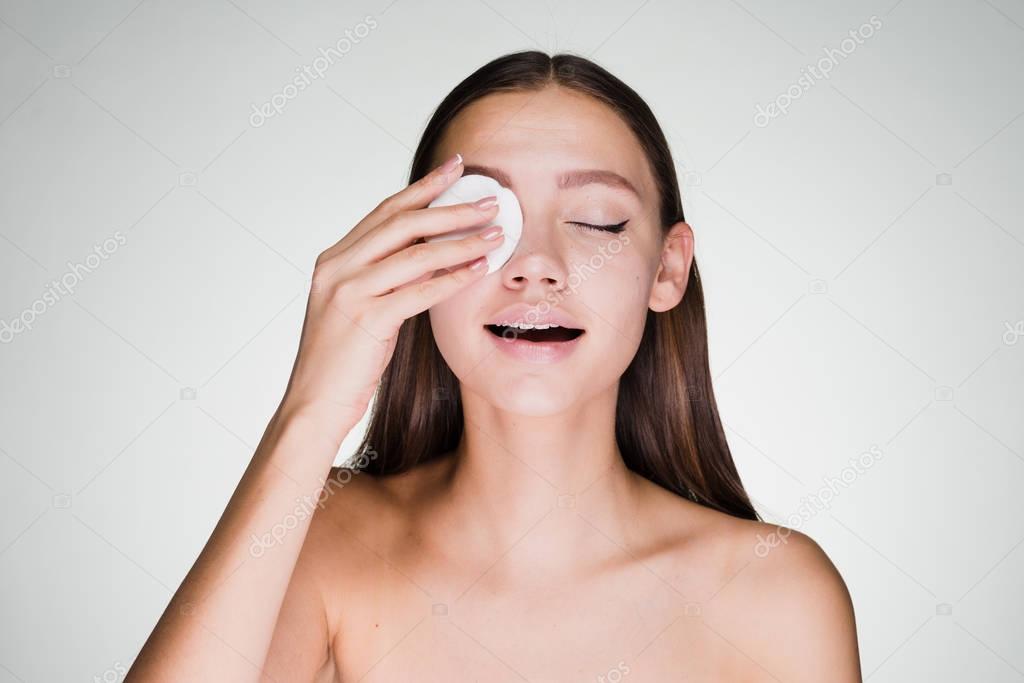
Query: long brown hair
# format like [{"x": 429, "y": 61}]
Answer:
[{"x": 666, "y": 423}]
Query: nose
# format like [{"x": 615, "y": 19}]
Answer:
[{"x": 538, "y": 262}]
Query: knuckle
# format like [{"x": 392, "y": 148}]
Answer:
[
  {"x": 461, "y": 276},
  {"x": 321, "y": 279},
  {"x": 343, "y": 291},
  {"x": 392, "y": 204},
  {"x": 375, "y": 321},
  {"x": 426, "y": 288},
  {"x": 359, "y": 317},
  {"x": 466, "y": 248},
  {"x": 466, "y": 212},
  {"x": 352, "y": 312},
  {"x": 389, "y": 221},
  {"x": 419, "y": 252},
  {"x": 317, "y": 286},
  {"x": 384, "y": 207}
]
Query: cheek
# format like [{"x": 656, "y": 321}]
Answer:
[
  {"x": 616, "y": 297},
  {"x": 619, "y": 280},
  {"x": 451, "y": 321},
  {"x": 444, "y": 322}
]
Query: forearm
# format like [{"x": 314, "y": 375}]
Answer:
[{"x": 220, "y": 622}]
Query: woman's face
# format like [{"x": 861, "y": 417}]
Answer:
[{"x": 603, "y": 281}]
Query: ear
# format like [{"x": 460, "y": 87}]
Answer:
[{"x": 674, "y": 269}]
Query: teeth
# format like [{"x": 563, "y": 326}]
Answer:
[{"x": 528, "y": 326}]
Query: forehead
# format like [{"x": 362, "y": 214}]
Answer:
[{"x": 540, "y": 134}]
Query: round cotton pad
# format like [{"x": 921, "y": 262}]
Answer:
[{"x": 470, "y": 188}]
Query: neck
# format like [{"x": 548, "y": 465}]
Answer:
[{"x": 554, "y": 484}]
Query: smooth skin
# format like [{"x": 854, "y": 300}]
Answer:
[{"x": 529, "y": 552}]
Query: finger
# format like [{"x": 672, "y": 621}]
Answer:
[
  {"x": 399, "y": 232},
  {"x": 422, "y": 259},
  {"x": 413, "y": 299},
  {"x": 423, "y": 191},
  {"x": 413, "y": 196},
  {"x": 403, "y": 229}
]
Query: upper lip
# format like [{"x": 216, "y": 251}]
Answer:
[{"x": 531, "y": 313}]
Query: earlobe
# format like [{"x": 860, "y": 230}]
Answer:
[{"x": 674, "y": 270}]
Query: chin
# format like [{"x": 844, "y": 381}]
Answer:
[{"x": 530, "y": 397}]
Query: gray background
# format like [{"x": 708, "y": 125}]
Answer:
[{"x": 862, "y": 256}]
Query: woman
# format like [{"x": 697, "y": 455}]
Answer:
[{"x": 526, "y": 510}]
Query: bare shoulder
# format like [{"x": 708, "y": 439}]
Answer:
[
  {"x": 770, "y": 592},
  {"x": 787, "y": 605},
  {"x": 360, "y": 528},
  {"x": 357, "y": 495},
  {"x": 360, "y": 516},
  {"x": 302, "y": 646},
  {"x": 351, "y": 500},
  {"x": 346, "y": 499}
]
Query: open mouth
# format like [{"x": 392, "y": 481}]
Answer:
[{"x": 550, "y": 334}]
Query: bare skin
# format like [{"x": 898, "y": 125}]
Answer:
[
  {"x": 531, "y": 552},
  {"x": 676, "y": 592}
]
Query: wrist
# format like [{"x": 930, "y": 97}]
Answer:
[{"x": 330, "y": 420}]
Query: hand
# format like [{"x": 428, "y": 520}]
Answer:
[{"x": 368, "y": 283}]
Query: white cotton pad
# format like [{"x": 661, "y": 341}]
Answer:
[{"x": 470, "y": 188}]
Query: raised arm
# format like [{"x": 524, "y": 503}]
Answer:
[{"x": 220, "y": 623}]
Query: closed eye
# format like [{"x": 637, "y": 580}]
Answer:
[{"x": 617, "y": 227}]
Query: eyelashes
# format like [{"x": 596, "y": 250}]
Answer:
[{"x": 616, "y": 228}]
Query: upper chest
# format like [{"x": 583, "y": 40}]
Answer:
[{"x": 396, "y": 621}]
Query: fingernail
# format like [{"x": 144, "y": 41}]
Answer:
[
  {"x": 485, "y": 203},
  {"x": 491, "y": 233},
  {"x": 478, "y": 263},
  {"x": 450, "y": 165}
]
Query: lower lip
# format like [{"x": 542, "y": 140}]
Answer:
[{"x": 535, "y": 352}]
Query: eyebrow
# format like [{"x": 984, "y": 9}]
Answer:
[{"x": 569, "y": 179}]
